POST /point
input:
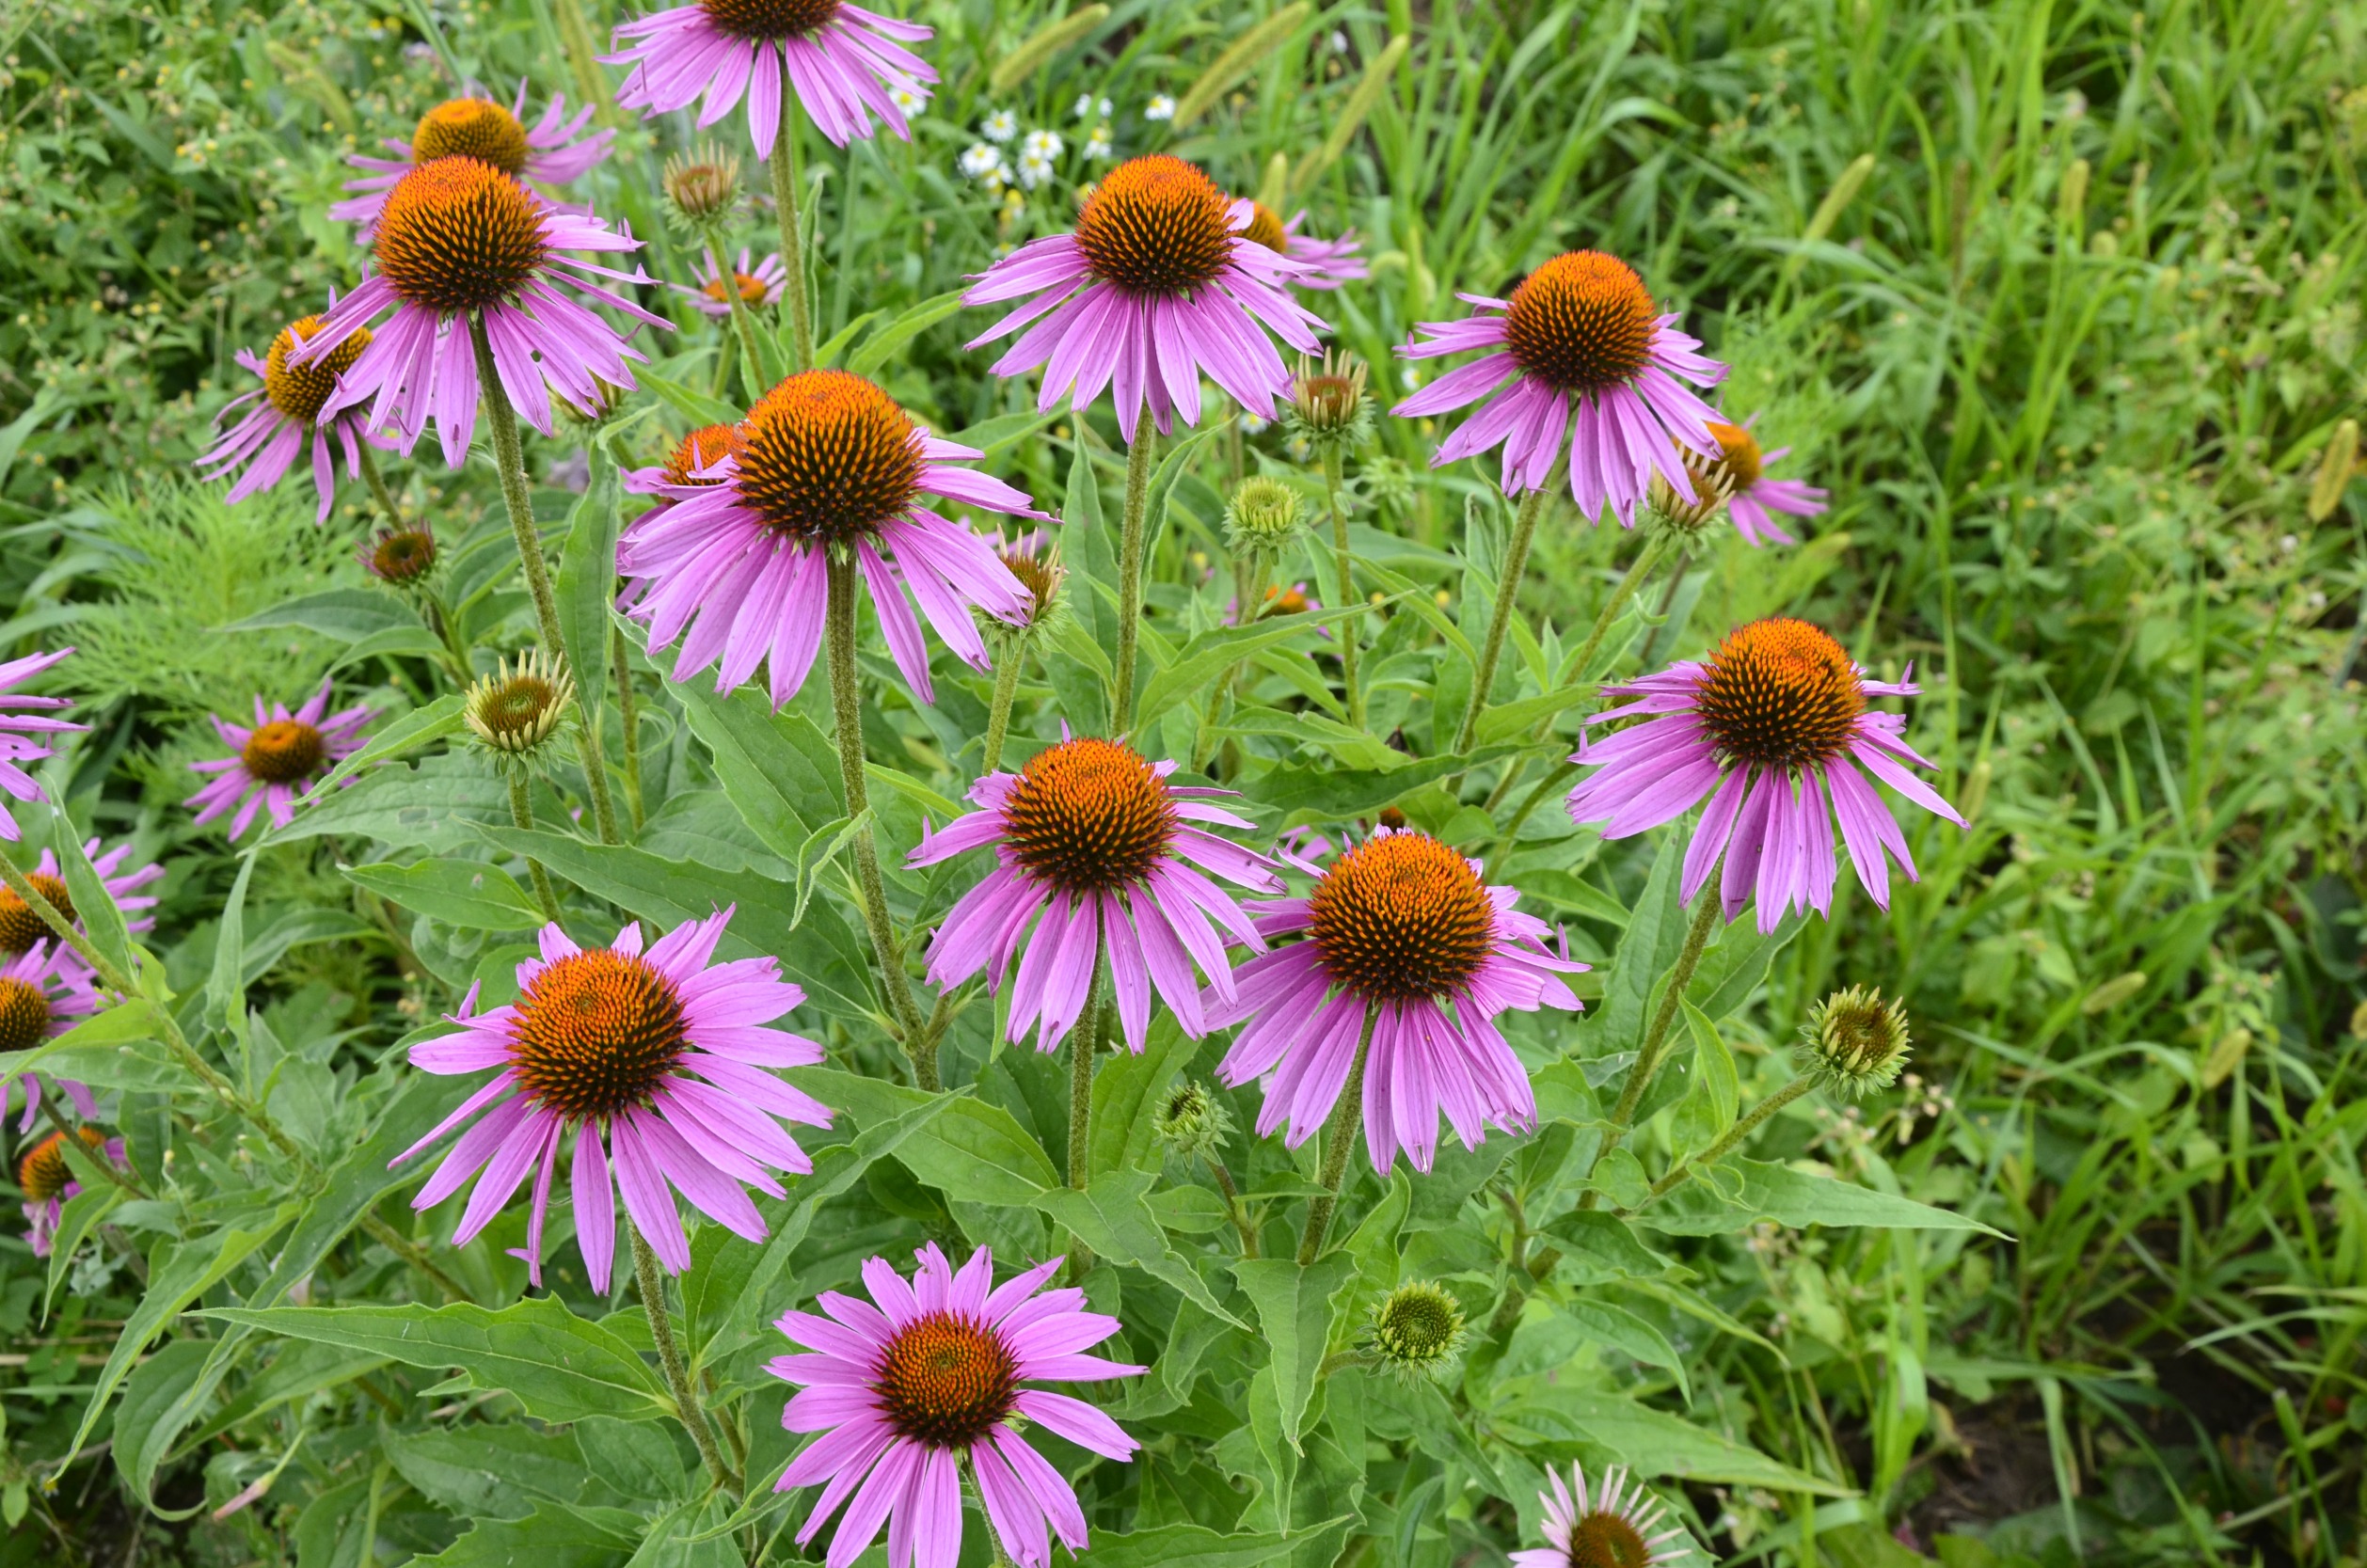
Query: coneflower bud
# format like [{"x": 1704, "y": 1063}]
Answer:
[
  {"x": 517, "y": 710},
  {"x": 1329, "y": 409},
  {"x": 702, "y": 187},
  {"x": 1417, "y": 1330},
  {"x": 1713, "y": 481},
  {"x": 1264, "y": 517},
  {"x": 401, "y": 558},
  {"x": 1854, "y": 1043},
  {"x": 606, "y": 399},
  {"x": 1191, "y": 1122},
  {"x": 1037, "y": 565}
]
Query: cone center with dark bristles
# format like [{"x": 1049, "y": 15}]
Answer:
[
  {"x": 596, "y": 1034},
  {"x": 458, "y": 235},
  {"x": 1087, "y": 815},
  {"x": 472, "y": 128},
  {"x": 402, "y": 555},
  {"x": 20, "y": 928},
  {"x": 827, "y": 457},
  {"x": 1402, "y": 916},
  {"x": 1581, "y": 323},
  {"x": 1779, "y": 694},
  {"x": 1156, "y": 226},
  {"x": 1037, "y": 576},
  {"x": 769, "y": 18},
  {"x": 44, "y": 1173},
  {"x": 1608, "y": 1541},
  {"x": 1265, "y": 228},
  {"x": 1740, "y": 451},
  {"x": 283, "y": 751},
  {"x": 24, "y": 1014},
  {"x": 946, "y": 1380},
  {"x": 701, "y": 448},
  {"x": 300, "y": 390}
]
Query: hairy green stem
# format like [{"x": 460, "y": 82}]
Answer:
[
  {"x": 377, "y": 483},
  {"x": 1524, "y": 527},
  {"x": 846, "y": 699},
  {"x": 1084, "y": 1042},
  {"x": 783, "y": 164},
  {"x": 1233, "y": 1204},
  {"x": 583, "y": 56},
  {"x": 1734, "y": 1135},
  {"x": 686, "y": 1395},
  {"x": 1562, "y": 774},
  {"x": 1130, "y": 546},
  {"x": 1648, "y": 1061},
  {"x": 744, "y": 319},
  {"x": 1351, "y": 629},
  {"x": 522, "y": 814},
  {"x": 1339, "y": 1138},
  {"x": 628, "y": 720},
  {"x": 1013, "y": 652},
  {"x": 509, "y": 458}
]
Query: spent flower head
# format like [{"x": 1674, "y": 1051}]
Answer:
[
  {"x": 702, "y": 187},
  {"x": 515, "y": 710},
  {"x": 1417, "y": 1330},
  {"x": 402, "y": 558},
  {"x": 1854, "y": 1043}
]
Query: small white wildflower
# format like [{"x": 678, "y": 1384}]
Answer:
[
  {"x": 1339, "y": 41},
  {"x": 1297, "y": 449},
  {"x": 1252, "y": 425},
  {"x": 908, "y": 101},
  {"x": 1045, "y": 145},
  {"x": 1096, "y": 146},
  {"x": 1002, "y": 125},
  {"x": 1033, "y": 171},
  {"x": 1090, "y": 107},
  {"x": 1412, "y": 376},
  {"x": 982, "y": 162},
  {"x": 1160, "y": 108}
]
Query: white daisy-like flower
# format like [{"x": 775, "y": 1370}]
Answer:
[
  {"x": 911, "y": 103},
  {"x": 1090, "y": 107},
  {"x": 1033, "y": 170},
  {"x": 1000, "y": 126},
  {"x": 1160, "y": 108},
  {"x": 1255, "y": 424},
  {"x": 1042, "y": 144},
  {"x": 1098, "y": 148},
  {"x": 983, "y": 160}
]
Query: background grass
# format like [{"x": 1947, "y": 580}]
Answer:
[{"x": 2060, "y": 299}]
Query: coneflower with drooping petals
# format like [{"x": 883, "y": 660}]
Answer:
[
  {"x": 927, "y": 1375},
  {"x": 657, "y": 1061},
  {"x": 843, "y": 65},
  {"x": 277, "y": 759},
  {"x": 458, "y": 239},
  {"x": 1767, "y": 726},
  {"x": 1329, "y": 264},
  {"x": 21, "y": 929},
  {"x": 551, "y": 151},
  {"x": 1090, "y": 837},
  {"x": 1755, "y": 497},
  {"x": 759, "y": 283},
  {"x": 1403, "y": 927},
  {"x": 1157, "y": 285},
  {"x": 1595, "y": 371},
  {"x": 47, "y": 1182},
  {"x": 44, "y": 991},
  {"x": 266, "y": 444},
  {"x": 735, "y": 564},
  {"x": 1616, "y": 1530},
  {"x": 20, "y": 730}
]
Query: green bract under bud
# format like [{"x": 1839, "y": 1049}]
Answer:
[
  {"x": 1855, "y": 1042},
  {"x": 702, "y": 187},
  {"x": 1037, "y": 565},
  {"x": 1712, "y": 483},
  {"x": 1264, "y": 517},
  {"x": 1416, "y": 1329},
  {"x": 515, "y": 711},
  {"x": 1329, "y": 409},
  {"x": 402, "y": 558},
  {"x": 609, "y": 400},
  {"x": 1191, "y": 1122}
]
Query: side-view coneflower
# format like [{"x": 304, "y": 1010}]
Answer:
[
  {"x": 826, "y": 473},
  {"x": 1766, "y": 726},
  {"x": 1104, "y": 862},
  {"x": 21, "y": 928},
  {"x": 1757, "y": 497},
  {"x": 551, "y": 151},
  {"x": 47, "y": 1182},
  {"x": 23, "y": 729},
  {"x": 276, "y": 759},
  {"x": 657, "y": 1061},
  {"x": 1387, "y": 1007},
  {"x": 287, "y": 423},
  {"x": 692, "y": 462},
  {"x": 1619, "y": 1528},
  {"x": 927, "y": 1376},
  {"x": 758, "y": 283},
  {"x": 462, "y": 249},
  {"x": 45, "y": 991},
  {"x": 1329, "y": 264}
]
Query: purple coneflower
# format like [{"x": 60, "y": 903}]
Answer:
[
  {"x": 1756, "y": 497},
  {"x": 18, "y": 731},
  {"x": 1609, "y": 1532},
  {"x": 1593, "y": 367},
  {"x": 21, "y": 929},
  {"x": 1401, "y": 928},
  {"x": 691, "y": 463},
  {"x": 661, "y": 1054},
  {"x": 763, "y": 285},
  {"x": 458, "y": 239},
  {"x": 1771, "y": 721},
  {"x": 906, "y": 1385},
  {"x": 1157, "y": 284},
  {"x": 44, "y": 991},
  {"x": 48, "y": 1182},
  {"x": 550, "y": 153},
  {"x": 276, "y": 431},
  {"x": 1093, "y": 838},
  {"x": 825, "y": 463},
  {"x": 1328, "y": 262},
  {"x": 844, "y": 64},
  {"x": 277, "y": 760}
]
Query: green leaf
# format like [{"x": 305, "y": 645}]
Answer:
[
  {"x": 80, "y": 1215},
  {"x": 486, "y": 1469},
  {"x": 427, "y": 803},
  {"x": 1325, "y": 794},
  {"x": 1112, "y": 1217},
  {"x": 975, "y": 1151},
  {"x": 991, "y": 436},
  {"x": 143, "y": 1435},
  {"x": 417, "y": 728},
  {"x": 342, "y": 614},
  {"x": 553, "y": 1536},
  {"x": 560, "y": 1366},
  {"x": 827, "y": 352},
  {"x": 1598, "y": 1248},
  {"x": 94, "y": 906},
  {"x": 1714, "y": 1063},
  {"x": 1732, "y": 970},
  {"x": 877, "y": 348},
  {"x": 1126, "y": 1093},
  {"x": 700, "y": 408},
  {"x": 690, "y": 1536},
  {"x": 1656, "y": 930},
  {"x": 1294, "y": 1309},
  {"x": 114, "y": 1049},
  {"x": 1186, "y": 1546},
  {"x": 1606, "y": 1324},
  {"x": 1654, "y": 1444},
  {"x": 777, "y": 768},
  {"x": 586, "y": 584},
  {"x": 1212, "y": 653},
  {"x": 1736, "y": 1192},
  {"x": 226, "y": 988},
  {"x": 470, "y": 894}
]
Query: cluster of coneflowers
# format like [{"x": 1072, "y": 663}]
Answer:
[{"x": 1365, "y": 980}]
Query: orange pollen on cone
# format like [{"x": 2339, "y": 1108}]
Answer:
[
  {"x": 947, "y": 1379},
  {"x": 1402, "y": 916},
  {"x": 1285, "y": 601},
  {"x": 1265, "y": 228},
  {"x": 300, "y": 390},
  {"x": 1156, "y": 226},
  {"x": 1608, "y": 1541},
  {"x": 20, "y": 928},
  {"x": 283, "y": 751},
  {"x": 43, "y": 1172},
  {"x": 24, "y": 1014},
  {"x": 596, "y": 1034},
  {"x": 457, "y": 235},
  {"x": 701, "y": 448},
  {"x": 1581, "y": 323},
  {"x": 1779, "y": 694},
  {"x": 1087, "y": 815},
  {"x": 472, "y": 128},
  {"x": 1740, "y": 451},
  {"x": 826, "y": 456}
]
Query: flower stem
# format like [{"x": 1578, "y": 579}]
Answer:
[
  {"x": 744, "y": 319},
  {"x": 1648, "y": 1061},
  {"x": 686, "y": 1395},
  {"x": 1524, "y": 526},
  {"x": 522, "y": 813},
  {"x": 628, "y": 720},
  {"x": 1353, "y": 626},
  {"x": 845, "y": 699},
  {"x": 1734, "y": 1135},
  {"x": 1084, "y": 1040},
  {"x": 1233, "y": 1205},
  {"x": 784, "y": 199},
  {"x": 509, "y": 458},
  {"x": 1339, "y": 1137},
  {"x": 1130, "y": 546},
  {"x": 1561, "y": 775},
  {"x": 583, "y": 56},
  {"x": 998, "y": 717},
  {"x": 377, "y": 483}
]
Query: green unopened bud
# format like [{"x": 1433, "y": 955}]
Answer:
[
  {"x": 702, "y": 187},
  {"x": 1264, "y": 517},
  {"x": 515, "y": 711},
  {"x": 1329, "y": 409},
  {"x": 1854, "y": 1043},
  {"x": 1191, "y": 1122},
  {"x": 1417, "y": 1330}
]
